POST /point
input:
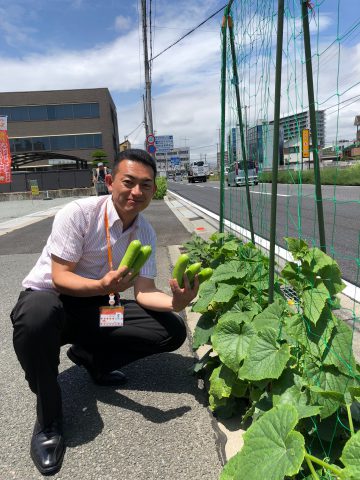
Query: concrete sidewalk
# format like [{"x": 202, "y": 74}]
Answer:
[{"x": 157, "y": 427}]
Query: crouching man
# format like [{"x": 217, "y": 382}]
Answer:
[{"x": 75, "y": 280}]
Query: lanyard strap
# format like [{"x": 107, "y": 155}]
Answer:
[
  {"x": 109, "y": 250},
  {"x": 112, "y": 296}
]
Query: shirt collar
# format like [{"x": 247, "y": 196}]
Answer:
[{"x": 113, "y": 216}]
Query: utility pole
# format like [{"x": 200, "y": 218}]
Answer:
[
  {"x": 145, "y": 120},
  {"x": 147, "y": 102}
]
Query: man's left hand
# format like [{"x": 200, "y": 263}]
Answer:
[{"x": 183, "y": 296}]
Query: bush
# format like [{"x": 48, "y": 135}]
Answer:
[
  {"x": 161, "y": 184},
  {"x": 329, "y": 176}
]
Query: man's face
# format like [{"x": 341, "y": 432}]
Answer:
[{"x": 132, "y": 188}]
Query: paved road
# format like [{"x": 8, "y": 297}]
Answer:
[
  {"x": 156, "y": 428},
  {"x": 296, "y": 214}
]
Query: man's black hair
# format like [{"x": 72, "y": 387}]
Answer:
[{"x": 136, "y": 155}]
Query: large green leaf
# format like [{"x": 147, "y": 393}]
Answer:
[
  {"x": 272, "y": 449},
  {"x": 351, "y": 459},
  {"x": 314, "y": 300},
  {"x": 224, "y": 293},
  {"x": 327, "y": 379},
  {"x": 231, "y": 340},
  {"x": 331, "y": 277},
  {"x": 296, "y": 329},
  {"x": 236, "y": 315},
  {"x": 203, "y": 330},
  {"x": 206, "y": 294},
  {"x": 222, "y": 380},
  {"x": 297, "y": 397},
  {"x": 317, "y": 259},
  {"x": 339, "y": 348},
  {"x": 319, "y": 335},
  {"x": 265, "y": 357},
  {"x": 247, "y": 305},
  {"x": 230, "y": 246},
  {"x": 272, "y": 316},
  {"x": 224, "y": 407},
  {"x": 297, "y": 247},
  {"x": 291, "y": 271},
  {"x": 231, "y": 270}
]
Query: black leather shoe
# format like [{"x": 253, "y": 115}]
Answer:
[
  {"x": 81, "y": 357},
  {"x": 47, "y": 447}
]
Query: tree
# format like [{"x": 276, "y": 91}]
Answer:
[{"x": 99, "y": 156}]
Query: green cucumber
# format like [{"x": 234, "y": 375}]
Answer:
[
  {"x": 205, "y": 274},
  {"x": 131, "y": 253},
  {"x": 141, "y": 258},
  {"x": 191, "y": 271},
  {"x": 179, "y": 269}
]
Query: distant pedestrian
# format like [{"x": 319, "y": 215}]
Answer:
[
  {"x": 99, "y": 179},
  {"x": 68, "y": 298}
]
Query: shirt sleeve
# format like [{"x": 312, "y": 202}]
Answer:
[
  {"x": 148, "y": 237},
  {"x": 67, "y": 235}
]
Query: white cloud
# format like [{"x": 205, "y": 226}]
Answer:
[
  {"x": 186, "y": 78},
  {"x": 122, "y": 23},
  {"x": 12, "y": 28}
]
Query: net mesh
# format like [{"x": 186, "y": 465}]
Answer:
[{"x": 334, "y": 42}]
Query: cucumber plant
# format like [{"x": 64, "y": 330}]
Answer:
[{"x": 262, "y": 357}]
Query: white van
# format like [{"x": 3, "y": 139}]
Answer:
[{"x": 236, "y": 174}]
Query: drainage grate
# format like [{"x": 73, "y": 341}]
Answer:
[{"x": 289, "y": 293}]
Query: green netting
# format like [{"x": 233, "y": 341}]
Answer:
[{"x": 325, "y": 323}]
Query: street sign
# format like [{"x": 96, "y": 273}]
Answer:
[
  {"x": 175, "y": 161},
  {"x": 150, "y": 139},
  {"x": 151, "y": 149},
  {"x": 34, "y": 187},
  {"x": 306, "y": 143}
]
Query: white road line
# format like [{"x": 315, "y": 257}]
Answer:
[{"x": 269, "y": 193}]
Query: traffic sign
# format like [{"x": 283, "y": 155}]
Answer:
[
  {"x": 151, "y": 148},
  {"x": 150, "y": 139},
  {"x": 305, "y": 143},
  {"x": 175, "y": 161}
]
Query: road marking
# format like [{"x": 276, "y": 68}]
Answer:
[{"x": 269, "y": 193}]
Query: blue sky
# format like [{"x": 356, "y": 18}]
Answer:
[{"x": 56, "y": 44}]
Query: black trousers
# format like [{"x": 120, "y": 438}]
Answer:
[{"x": 44, "y": 321}]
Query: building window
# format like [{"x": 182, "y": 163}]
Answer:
[
  {"x": 19, "y": 114},
  {"x": 41, "y": 143},
  {"x": 51, "y": 112},
  {"x": 61, "y": 142},
  {"x": 38, "y": 113},
  {"x": 66, "y": 142}
]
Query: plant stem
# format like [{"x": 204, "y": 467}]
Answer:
[
  {"x": 323, "y": 464},
  {"x": 311, "y": 468},
  {"x": 351, "y": 425}
]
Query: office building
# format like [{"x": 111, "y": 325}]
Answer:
[
  {"x": 176, "y": 159},
  {"x": 64, "y": 122}
]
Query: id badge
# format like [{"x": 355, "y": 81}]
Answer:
[{"x": 112, "y": 316}]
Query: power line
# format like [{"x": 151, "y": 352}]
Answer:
[
  {"x": 188, "y": 33},
  {"x": 141, "y": 123}
]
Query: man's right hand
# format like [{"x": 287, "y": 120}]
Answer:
[{"x": 117, "y": 280}]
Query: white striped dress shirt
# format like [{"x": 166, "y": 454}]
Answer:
[{"x": 78, "y": 235}]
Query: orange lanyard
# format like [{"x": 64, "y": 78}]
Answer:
[{"x": 109, "y": 251}]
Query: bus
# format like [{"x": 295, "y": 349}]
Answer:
[{"x": 236, "y": 174}]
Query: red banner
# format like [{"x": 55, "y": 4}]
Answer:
[{"x": 5, "y": 157}]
